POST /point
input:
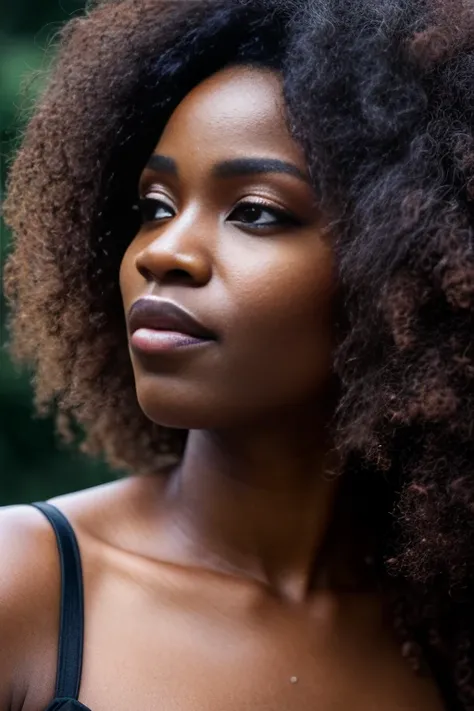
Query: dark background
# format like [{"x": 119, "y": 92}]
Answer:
[{"x": 34, "y": 465}]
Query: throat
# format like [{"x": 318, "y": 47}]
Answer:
[{"x": 291, "y": 543}]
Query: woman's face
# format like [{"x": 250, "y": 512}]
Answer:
[{"x": 231, "y": 232}]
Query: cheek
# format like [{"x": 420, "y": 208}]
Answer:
[{"x": 284, "y": 326}]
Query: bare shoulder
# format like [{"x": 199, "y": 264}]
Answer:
[
  {"x": 29, "y": 594},
  {"x": 29, "y": 568},
  {"x": 30, "y": 588},
  {"x": 112, "y": 515},
  {"x": 103, "y": 518}
]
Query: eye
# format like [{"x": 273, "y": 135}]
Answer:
[
  {"x": 259, "y": 216},
  {"x": 152, "y": 210}
]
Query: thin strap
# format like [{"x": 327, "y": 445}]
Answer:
[{"x": 71, "y": 626}]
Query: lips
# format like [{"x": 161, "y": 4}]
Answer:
[{"x": 162, "y": 315}]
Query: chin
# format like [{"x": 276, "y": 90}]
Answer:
[
  {"x": 179, "y": 418},
  {"x": 195, "y": 411},
  {"x": 176, "y": 407}
]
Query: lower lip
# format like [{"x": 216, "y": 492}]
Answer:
[{"x": 150, "y": 340}]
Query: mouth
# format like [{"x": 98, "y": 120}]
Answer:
[{"x": 157, "y": 325}]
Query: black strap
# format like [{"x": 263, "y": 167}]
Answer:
[{"x": 71, "y": 626}]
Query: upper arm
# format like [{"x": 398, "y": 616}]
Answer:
[{"x": 29, "y": 604}]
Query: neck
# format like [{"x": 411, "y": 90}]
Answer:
[{"x": 257, "y": 503}]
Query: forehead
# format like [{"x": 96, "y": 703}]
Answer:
[{"x": 239, "y": 109}]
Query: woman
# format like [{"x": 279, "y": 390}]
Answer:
[{"x": 243, "y": 266}]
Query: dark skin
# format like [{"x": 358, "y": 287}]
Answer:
[{"x": 232, "y": 583}]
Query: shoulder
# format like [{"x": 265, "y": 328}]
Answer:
[
  {"x": 30, "y": 588},
  {"x": 30, "y": 571},
  {"x": 105, "y": 519},
  {"x": 29, "y": 567},
  {"x": 29, "y": 595}
]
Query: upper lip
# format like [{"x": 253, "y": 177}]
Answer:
[{"x": 164, "y": 315}]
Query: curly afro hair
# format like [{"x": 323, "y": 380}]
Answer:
[{"x": 380, "y": 94}]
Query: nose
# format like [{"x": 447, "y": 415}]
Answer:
[{"x": 175, "y": 254}]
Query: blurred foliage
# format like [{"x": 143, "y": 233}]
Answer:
[{"x": 33, "y": 463}]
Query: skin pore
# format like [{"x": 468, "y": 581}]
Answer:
[{"x": 212, "y": 588}]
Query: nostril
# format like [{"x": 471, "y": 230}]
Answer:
[
  {"x": 180, "y": 275},
  {"x": 144, "y": 272},
  {"x": 177, "y": 275}
]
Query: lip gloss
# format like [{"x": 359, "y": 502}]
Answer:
[{"x": 151, "y": 340}]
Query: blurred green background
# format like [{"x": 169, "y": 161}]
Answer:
[{"x": 34, "y": 465}]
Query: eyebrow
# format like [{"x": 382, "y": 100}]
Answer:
[
  {"x": 232, "y": 168},
  {"x": 162, "y": 164}
]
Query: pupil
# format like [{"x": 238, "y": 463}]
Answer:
[{"x": 251, "y": 213}]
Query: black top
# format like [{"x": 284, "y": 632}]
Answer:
[{"x": 71, "y": 628}]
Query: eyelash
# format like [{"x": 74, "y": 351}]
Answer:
[{"x": 148, "y": 206}]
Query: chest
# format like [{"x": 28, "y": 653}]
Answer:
[{"x": 195, "y": 660}]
